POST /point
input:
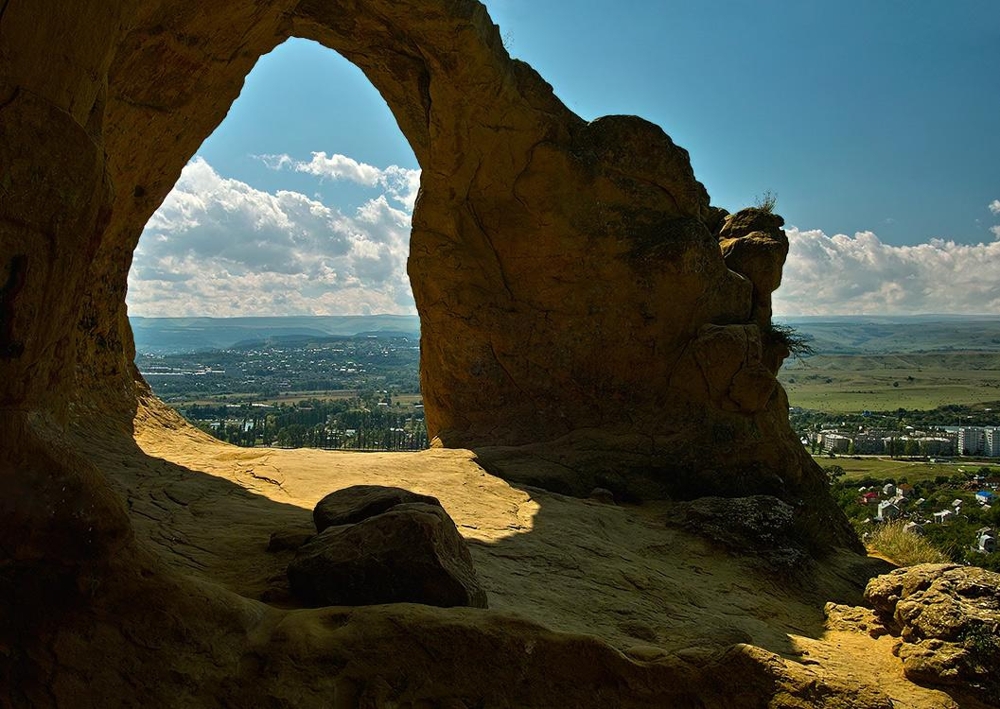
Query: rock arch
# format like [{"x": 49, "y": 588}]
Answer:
[
  {"x": 587, "y": 317},
  {"x": 573, "y": 295}
]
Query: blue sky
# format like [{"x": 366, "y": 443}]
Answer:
[{"x": 876, "y": 123}]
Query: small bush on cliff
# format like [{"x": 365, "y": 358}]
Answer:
[
  {"x": 766, "y": 202},
  {"x": 786, "y": 335},
  {"x": 905, "y": 548}
]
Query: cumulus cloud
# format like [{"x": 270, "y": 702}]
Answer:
[
  {"x": 848, "y": 275},
  {"x": 218, "y": 246},
  {"x": 994, "y": 207},
  {"x": 401, "y": 184}
]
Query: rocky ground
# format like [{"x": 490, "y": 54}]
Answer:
[{"x": 670, "y": 617}]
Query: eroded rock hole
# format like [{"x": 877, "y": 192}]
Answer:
[{"x": 294, "y": 225}]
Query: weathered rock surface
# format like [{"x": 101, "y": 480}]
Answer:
[
  {"x": 602, "y": 495},
  {"x": 410, "y": 554},
  {"x": 853, "y": 619},
  {"x": 590, "y": 604},
  {"x": 759, "y": 525},
  {"x": 359, "y": 502},
  {"x": 754, "y": 245},
  {"x": 948, "y": 618}
]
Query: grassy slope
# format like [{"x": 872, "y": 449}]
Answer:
[
  {"x": 886, "y": 363},
  {"x": 884, "y": 382}
]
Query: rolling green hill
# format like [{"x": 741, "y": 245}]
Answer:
[
  {"x": 885, "y": 363},
  {"x": 884, "y": 335},
  {"x": 882, "y": 382}
]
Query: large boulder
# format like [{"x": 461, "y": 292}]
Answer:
[
  {"x": 359, "y": 502},
  {"x": 948, "y": 619},
  {"x": 411, "y": 554}
]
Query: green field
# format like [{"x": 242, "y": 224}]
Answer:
[
  {"x": 885, "y": 382},
  {"x": 914, "y": 471}
]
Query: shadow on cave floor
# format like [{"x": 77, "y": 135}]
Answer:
[{"x": 617, "y": 572}]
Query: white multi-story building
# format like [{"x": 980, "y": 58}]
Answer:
[
  {"x": 868, "y": 442},
  {"x": 836, "y": 442},
  {"x": 991, "y": 442},
  {"x": 938, "y": 445},
  {"x": 943, "y": 517},
  {"x": 986, "y": 541},
  {"x": 971, "y": 440}
]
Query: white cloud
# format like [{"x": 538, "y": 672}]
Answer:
[
  {"x": 994, "y": 207},
  {"x": 844, "y": 275},
  {"x": 218, "y": 246},
  {"x": 400, "y": 183}
]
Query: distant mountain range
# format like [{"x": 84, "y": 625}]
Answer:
[
  {"x": 827, "y": 335},
  {"x": 177, "y": 335}
]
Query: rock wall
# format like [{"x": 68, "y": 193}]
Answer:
[{"x": 579, "y": 297}]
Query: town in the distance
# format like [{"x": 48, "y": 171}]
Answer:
[
  {"x": 902, "y": 413},
  {"x": 278, "y": 382}
]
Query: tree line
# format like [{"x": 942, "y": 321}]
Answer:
[{"x": 366, "y": 422}]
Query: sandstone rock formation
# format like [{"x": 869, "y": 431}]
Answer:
[
  {"x": 754, "y": 245},
  {"x": 411, "y": 553},
  {"x": 588, "y": 319},
  {"x": 590, "y": 604},
  {"x": 948, "y": 618},
  {"x": 288, "y": 540},
  {"x": 569, "y": 275}
]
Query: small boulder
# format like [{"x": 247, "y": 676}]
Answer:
[
  {"x": 853, "y": 619},
  {"x": 602, "y": 495},
  {"x": 411, "y": 554},
  {"x": 359, "y": 502},
  {"x": 746, "y": 221}
]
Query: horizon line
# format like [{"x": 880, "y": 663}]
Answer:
[{"x": 783, "y": 316}]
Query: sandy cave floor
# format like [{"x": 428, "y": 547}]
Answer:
[{"x": 578, "y": 566}]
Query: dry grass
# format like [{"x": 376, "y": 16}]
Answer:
[
  {"x": 766, "y": 202},
  {"x": 904, "y": 548}
]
